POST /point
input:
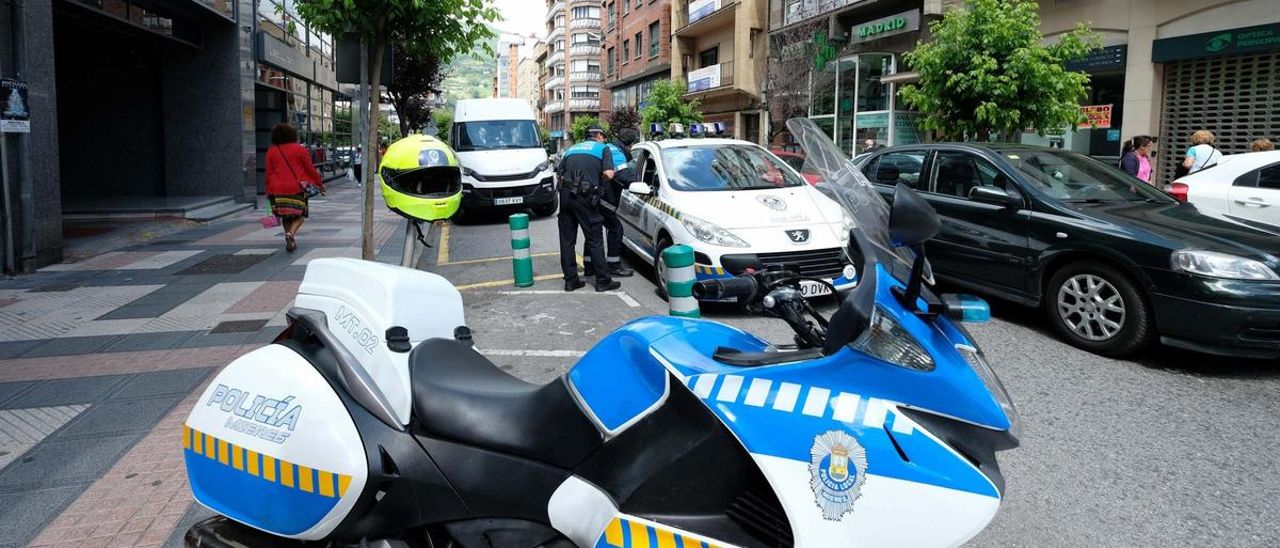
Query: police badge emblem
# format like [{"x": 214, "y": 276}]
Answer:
[{"x": 837, "y": 468}]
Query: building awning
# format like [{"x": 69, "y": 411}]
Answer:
[{"x": 909, "y": 77}]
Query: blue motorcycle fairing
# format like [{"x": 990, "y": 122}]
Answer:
[{"x": 618, "y": 380}]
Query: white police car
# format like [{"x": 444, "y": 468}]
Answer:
[{"x": 738, "y": 207}]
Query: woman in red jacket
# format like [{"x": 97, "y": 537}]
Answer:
[{"x": 289, "y": 171}]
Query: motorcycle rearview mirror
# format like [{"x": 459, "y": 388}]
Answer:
[
  {"x": 640, "y": 188},
  {"x": 912, "y": 221}
]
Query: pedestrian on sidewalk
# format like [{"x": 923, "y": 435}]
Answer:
[
  {"x": 1261, "y": 145},
  {"x": 291, "y": 179},
  {"x": 1201, "y": 155},
  {"x": 358, "y": 166},
  {"x": 1136, "y": 157}
]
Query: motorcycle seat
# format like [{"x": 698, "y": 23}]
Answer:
[{"x": 460, "y": 395}]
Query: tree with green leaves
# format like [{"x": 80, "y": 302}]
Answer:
[
  {"x": 666, "y": 104},
  {"x": 624, "y": 117},
  {"x": 444, "y": 122},
  {"x": 579, "y": 128},
  {"x": 987, "y": 71},
  {"x": 424, "y": 28},
  {"x": 416, "y": 78}
]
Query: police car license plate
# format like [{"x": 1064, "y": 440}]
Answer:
[
  {"x": 508, "y": 201},
  {"x": 813, "y": 289}
]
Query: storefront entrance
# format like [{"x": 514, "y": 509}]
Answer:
[{"x": 852, "y": 103}]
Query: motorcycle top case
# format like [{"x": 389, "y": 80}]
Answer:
[{"x": 270, "y": 445}]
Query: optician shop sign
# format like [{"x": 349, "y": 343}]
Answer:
[
  {"x": 704, "y": 78},
  {"x": 1223, "y": 42},
  {"x": 904, "y": 22}
]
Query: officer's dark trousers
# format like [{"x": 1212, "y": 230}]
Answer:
[
  {"x": 576, "y": 212},
  {"x": 612, "y": 239}
]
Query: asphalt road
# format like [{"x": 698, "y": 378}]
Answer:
[{"x": 1175, "y": 448}]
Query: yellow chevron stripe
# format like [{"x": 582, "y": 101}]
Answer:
[
  {"x": 310, "y": 480},
  {"x": 639, "y": 535},
  {"x": 613, "y": 533},
  {"x": 687, "y": 542},
  {"x": 666, "y": 539}
]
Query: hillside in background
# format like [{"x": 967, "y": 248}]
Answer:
[{"x": 471, "y": 76}]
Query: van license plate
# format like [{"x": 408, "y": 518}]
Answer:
[
  {"x": 508, "y": 201},
  {"x": 813, "y": 289}
]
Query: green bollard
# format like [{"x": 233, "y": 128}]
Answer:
[
  {"x": 678, "y": 260},
  {"x": 521, "y": 261}
]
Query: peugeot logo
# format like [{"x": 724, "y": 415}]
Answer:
[
  {"x": 798, "y": 236},
  {"x": 772, "y": 202}
]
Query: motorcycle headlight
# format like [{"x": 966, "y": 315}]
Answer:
[
  {"x": 711, "y": 233},
  {"x": 979, "y": 364},
  {"x": 1220, "y": 265},
  {"x": 543, "y": 166},
  {"x": 887, "y": 340}
]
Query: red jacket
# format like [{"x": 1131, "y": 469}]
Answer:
[{"x": 281, "y": 180}]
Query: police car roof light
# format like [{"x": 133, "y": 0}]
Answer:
[
  {"x": 695, "y": 130},
  {"x": 676, "y": 130},
  {"x": 655, "y": 129},
  {"x": 720, "y": 128}
]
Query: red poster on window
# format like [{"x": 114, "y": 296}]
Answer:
[{"x": 1096, "y": 116}]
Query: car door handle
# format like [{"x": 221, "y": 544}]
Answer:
[{"x": 1253, "y": 202}]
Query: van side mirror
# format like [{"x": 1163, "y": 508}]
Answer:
[
  {"x": 993, "y": 195},
  {"x": 642, "y": 189},
  {"x": 912, "y": 221}
]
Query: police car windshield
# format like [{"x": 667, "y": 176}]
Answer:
[
  {"x": 495, "y": 135},
  {"x": 733, "y": 167}
]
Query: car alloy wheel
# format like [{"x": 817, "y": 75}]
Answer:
[{"x": 1091, "y": 307}]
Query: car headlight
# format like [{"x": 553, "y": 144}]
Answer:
[
  {"x": 978, "y": 363},
  {"x": 543, "y": 166},
  {"x": 1220, "y": 265},
  {"x": 468, "y": 172},
  {"x": 846, "y": 224},
  {"x": 711, "y": 233},
  {"x": 887, "y": 340}
]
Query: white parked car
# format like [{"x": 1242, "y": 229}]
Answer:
[
  {"x": 1242, "y": 187},
  {"x": 738, "y": 206}
]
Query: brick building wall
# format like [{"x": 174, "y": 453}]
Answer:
[{"x": 641, "y": 66}]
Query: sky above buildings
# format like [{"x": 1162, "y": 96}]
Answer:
[{"x": 522, "y": 17}]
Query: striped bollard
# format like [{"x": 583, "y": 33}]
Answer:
[
  {"x": 521, "y": 261},
  {"x": 680, "y": 278}
]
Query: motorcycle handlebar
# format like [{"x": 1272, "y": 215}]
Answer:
[{"x": 742, "y": 286}]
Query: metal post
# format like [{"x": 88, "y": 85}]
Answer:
[
  {"x": 10, "y": 254},
  {"x": 26, "y": 199},
  {"x": 521, "y": 260},
  {"x": 366, "y": 194},
  {"x": 409, "y": 255},
  {"x": 678, "y": 260}
]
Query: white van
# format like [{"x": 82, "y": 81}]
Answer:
[{"x": 504, "y": 162}]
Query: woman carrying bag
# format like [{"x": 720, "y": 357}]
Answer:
[{"x": 291, "y": 179}]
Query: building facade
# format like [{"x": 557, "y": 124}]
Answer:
[
  {"x": 528, "y": 72},
  {"x": 636, "y": 50},
  {"x": 1171, "y": 67},
  {"x": 141, "y": 105},
  {"x": 719, "y": 49},
  {"x": 841, "y": 63},
  {"x": 573, "y": 87}
]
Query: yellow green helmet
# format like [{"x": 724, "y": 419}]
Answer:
[{"x": 421, "y": 179}]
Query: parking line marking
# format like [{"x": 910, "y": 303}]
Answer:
[
  {"x": 442, "y": 255},
  {"x": 534, "y": 353},
  {"x": 631, "y": 302},
  {"x": 500, "y": 283},
  {"x": 495, "y": 259}
]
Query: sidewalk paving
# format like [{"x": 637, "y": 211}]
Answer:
[{"x": 100, "y": 361}]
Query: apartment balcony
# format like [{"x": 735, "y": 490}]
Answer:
[
  {"x": 711, "y": 81},
  {"x": 553, "y": 107},
  {"x": 690, "y": 24},
  {"x": 584, "y": 77},
  {"x": 557, "y": 32},
  {"x": 584, "y": 23},
  {"x": 588, "y": 3},
  {"x": 589, "y": 49},
  {"x": 556, "y": 9},
  {"x": 578, "y": 105},
  {"x": 555, "y": 57},
  {"x": 555, "y": 82}
]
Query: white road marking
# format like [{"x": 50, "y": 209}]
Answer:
[{"x": 627, "y": 299}]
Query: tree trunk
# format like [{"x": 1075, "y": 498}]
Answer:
[
  {"x": 371, "y": 156},
  {"x": 401, "y": 103}
]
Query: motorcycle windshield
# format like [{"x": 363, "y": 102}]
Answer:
[{"x": 841, "y": 181}]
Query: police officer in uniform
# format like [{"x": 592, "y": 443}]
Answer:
[
  {"x": 623, "y": 175},
  {"x": 583, "y": 170}
]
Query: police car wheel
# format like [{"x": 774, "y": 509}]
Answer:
[{"x": 660, "y": 268}]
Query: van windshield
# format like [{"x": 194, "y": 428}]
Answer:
[{"x": 496, "y": 135}]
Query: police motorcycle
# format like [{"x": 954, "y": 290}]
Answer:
[
  {"x": 372, "y": 420},
  {"x": 421, "y": 180}
]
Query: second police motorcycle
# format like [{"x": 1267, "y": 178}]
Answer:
[{"x": 372, "y": 420}]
